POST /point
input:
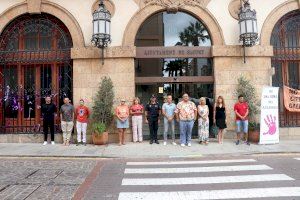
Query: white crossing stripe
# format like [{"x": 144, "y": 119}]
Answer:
[
  {"x": 207, "y": 180},
  {"x": 297, "y": 158},
  {"x": 214, "y": 194},
  {"x": 196, "y": 169},
  {"x": 192, "y": 162}
]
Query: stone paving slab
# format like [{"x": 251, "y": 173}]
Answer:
[
  {"x": 9, "y": 177},
  {"x": 41, "y": 176},
  {"x": 34, "y": 164},
  {"x": 38, "y": 178},
  {"x": 145, "y": 150},
  {"x": 2, "y": 186},
  {"x": 16, "y": 192},
  {"x": 54, "y": 192},
  {"x": 71, "y": 177}
]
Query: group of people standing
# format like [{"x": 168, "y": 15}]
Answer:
[
  {"x": 185, "y": 113},
  {"x": 67, "y": 115}
]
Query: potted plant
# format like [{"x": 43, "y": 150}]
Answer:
[
  {"x": 102, "y": 111},
  {"x": 100, "y": 136},
  {"x": 246, "y": 88},
  {"x": 254, "y": 132}
]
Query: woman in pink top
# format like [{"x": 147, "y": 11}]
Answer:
[
  {"x": 137, "y": 110},
  {"x": 122, "y": 114}
]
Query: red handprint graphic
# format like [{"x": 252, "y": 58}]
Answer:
[{"x": 271, "y": 123}]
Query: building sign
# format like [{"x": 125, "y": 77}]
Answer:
[
  {"x": 173, "y": 52},
  {"x": 160, "y": 90},
  {"x": 269, "y": 119},
  {"x": 291, "y": 99}
]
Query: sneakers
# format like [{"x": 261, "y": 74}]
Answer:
[
  {"x": 52, "y": 143},
  {"x": 151, "y": 142},
  {"x": 156, "y": 141},
  {"x": 237, "y": 142},
  {"x": 189, "y": 144},
  {"x": 165, "y": 143},
  {"x": 183, "y": 145},
  {"x": 84, "y": 144}
]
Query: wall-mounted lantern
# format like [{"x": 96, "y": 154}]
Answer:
[
  {"x": 101, "y": 28},
  {"x": 248, "y": 26}
]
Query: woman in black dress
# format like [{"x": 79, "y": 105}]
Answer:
[{"x": 220, "y": 117}]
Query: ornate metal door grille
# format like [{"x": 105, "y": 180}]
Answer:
[
  {"x": 34, "y": 62},
  {"x": 286, "y": 61}
]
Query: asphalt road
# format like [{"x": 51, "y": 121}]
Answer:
[{"x": 245, "y": 177}]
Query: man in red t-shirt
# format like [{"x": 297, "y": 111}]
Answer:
[
  {"x": 82, "y": 114},
  {"x": 241, "y": 110}
]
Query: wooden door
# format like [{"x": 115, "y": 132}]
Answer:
[{"x": 33, "y": 49}]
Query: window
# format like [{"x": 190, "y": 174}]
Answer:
[
  {"x": 286, "y": 61},
  {"x": 35, "y": 62}
]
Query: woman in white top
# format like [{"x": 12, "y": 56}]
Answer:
[{"x": 203, "y": 121}]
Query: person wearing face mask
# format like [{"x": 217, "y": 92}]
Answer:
[
  {"x": 82, "y": 114},
  {"x": 48, "y": 113}
]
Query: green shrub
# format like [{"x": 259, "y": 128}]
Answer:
[
  {"x": 99, "y": 128},
  {"x": 102, "y": 116},
  {"x": 246, "y": 88},
  {"x": 253, "y": 126}
]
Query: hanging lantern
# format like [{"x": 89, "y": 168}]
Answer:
[
  {"x": 248, "y": 26},
  {"x": 101, "y": 28}
]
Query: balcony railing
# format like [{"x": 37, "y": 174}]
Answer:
[{"x": 40, "y": 56}]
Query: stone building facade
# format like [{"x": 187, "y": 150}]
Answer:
[{"x": 128, "y": 16}]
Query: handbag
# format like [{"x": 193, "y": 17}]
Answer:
[{"x": 214, "y": 130}]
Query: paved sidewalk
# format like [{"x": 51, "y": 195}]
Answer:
[{"x": 145, "y": 150}]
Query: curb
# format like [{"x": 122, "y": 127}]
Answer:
[{"x": 152, "y": 157}]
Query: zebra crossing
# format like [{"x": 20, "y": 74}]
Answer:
[
  {"x": 297, "y": 158},
  {"x": 163, "y": 180}
]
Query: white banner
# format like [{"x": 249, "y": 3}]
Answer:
[{"x": 269, "y": 118}]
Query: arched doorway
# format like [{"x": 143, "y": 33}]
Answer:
[
  {"x": 286, "y": 61},
  {"x": 173, "y": 57},
  {"x": 34, "y": 62}
]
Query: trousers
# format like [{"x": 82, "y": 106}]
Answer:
[
  {"x": 81, "y": 128},
  {"x": 153, "y": 126},
  {"x": 67, "y": 128},
  {"x": 137, "y": 128},
  {"x": 46, "y": 125}
]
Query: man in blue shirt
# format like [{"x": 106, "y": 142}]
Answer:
[
  {"x": 152, "y": 113},
  {"x": 168, "y": 111}
]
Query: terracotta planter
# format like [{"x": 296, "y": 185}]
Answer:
[
  {"x": 253, "y": 136},
  {"x": 100, "y": 139}
]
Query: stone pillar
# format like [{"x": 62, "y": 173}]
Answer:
[
  {"x": 229, "y": 66},
  {"x": 88, "y": 72}
]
